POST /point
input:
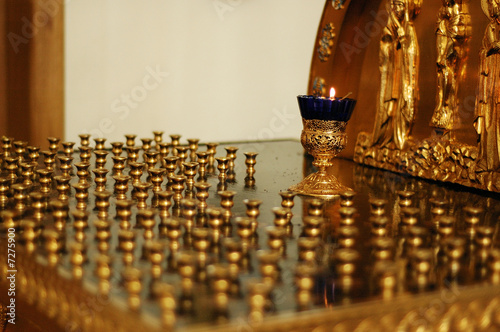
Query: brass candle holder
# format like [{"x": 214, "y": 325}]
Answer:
[{"x": 323, "y": 136}]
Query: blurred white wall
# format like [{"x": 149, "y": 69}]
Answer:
[{"x": 218, "y": 70}]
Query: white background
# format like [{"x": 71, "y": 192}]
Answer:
[{"x": 233, "y": 67}]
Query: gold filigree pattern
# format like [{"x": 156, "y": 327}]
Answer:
[
  {"x": 324, "y": 140},
  {"x": 326, "y": 42},
  {"x": 321, "y": 137},
  {"x": 434, "y": 159}
]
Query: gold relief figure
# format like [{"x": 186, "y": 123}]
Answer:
[
  {"x": 319, "y": 86},
  {"x": 487, "y": 121},
  {"x": 452, "y": 34},
  {"x": 398, "y": 64}
]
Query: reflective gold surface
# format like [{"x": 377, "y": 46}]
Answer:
[{"x": 395, "y": 253}]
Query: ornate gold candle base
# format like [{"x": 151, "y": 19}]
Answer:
[
  {"x": 324, "y": 140},
  {"x": 320, "y": 184}
]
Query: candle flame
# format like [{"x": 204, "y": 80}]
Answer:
[{"x": 332, "y": 93}]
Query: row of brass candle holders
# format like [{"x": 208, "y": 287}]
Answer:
[
  {"x": 178, "y": 252},
  {"x": 425, "y": 261}
]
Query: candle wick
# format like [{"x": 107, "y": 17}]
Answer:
[{"x": 347, "y": 95}]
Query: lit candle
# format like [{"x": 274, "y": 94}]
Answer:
[
  {"x": 332, "y": 93},
  {"x": 320, "y": 108}
]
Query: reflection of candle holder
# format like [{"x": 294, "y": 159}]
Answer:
[{"x": 324, "y": 137}]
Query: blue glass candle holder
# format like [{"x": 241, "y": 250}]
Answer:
[{"x": 323, "y": 136}]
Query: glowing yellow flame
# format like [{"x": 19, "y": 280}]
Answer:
[{"x": 332, "y": 93}]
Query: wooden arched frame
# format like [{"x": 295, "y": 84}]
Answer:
[{"x": 32, "y": 67}]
